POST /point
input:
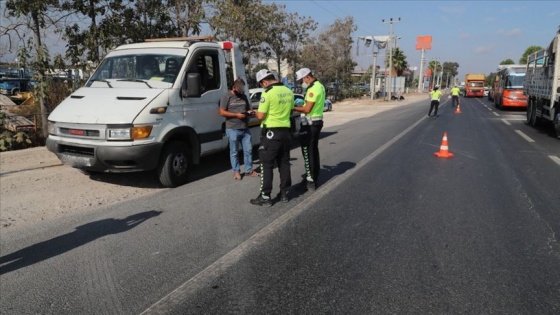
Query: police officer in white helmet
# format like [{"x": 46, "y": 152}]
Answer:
[{"x": 275, "y": 108}]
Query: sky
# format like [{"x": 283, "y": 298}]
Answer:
[{"x": 478, "y": 35}]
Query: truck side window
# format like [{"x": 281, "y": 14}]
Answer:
[{"x": 208, "y": 66}]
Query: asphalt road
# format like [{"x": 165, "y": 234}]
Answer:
[{"x": 391, "y": 229}]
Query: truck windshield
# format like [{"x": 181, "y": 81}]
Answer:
[
  {"x": 148, "y": 67},
  {"x": 515, "y": 81},
  {"x": 476, "y": 84}
]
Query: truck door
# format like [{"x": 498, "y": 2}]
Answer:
[{"x": 202, "y": 112}]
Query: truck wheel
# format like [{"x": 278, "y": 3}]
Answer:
[
  {"x": 529, "y": 110},
  {"x": 173, "y": 166},
  {"x": 533, "y": 121}
]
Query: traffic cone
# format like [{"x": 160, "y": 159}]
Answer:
[
  {"x": 444, "y": 148},
  {"x": 458, "y": 110}
]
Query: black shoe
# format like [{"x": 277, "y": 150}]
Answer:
[
  {"x": 262, "y": 201},
  {"x": 284, "y": 196},
  {"x": 311, "y": 186}
]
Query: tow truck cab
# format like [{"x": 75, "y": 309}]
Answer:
[{"x": 149, "y": 106}]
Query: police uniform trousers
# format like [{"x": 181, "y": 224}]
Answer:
[
  {"x": 434, "y": 104},
  {"x": 309, "y": 140},
  {"x": 275, "y": 150}
]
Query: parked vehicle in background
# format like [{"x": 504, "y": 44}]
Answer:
[
  {"x": 542, "y": 85},
  {"x": 328, "y": 105},
  {"x": 150, "y": 106},
  {"x": 13, "y": 81},
  {"x": 491, "y": 93},
  {"x": 508, "y": 87},
  {"x": 474, "y": 85}
]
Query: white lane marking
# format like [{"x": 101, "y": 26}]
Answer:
[
  {"x": 526, "y": 137},
  {"x": 555, "y": 159},
  {"x": 506, "y": 122},
  {"x": 496, "y": 114},
  {"x": 225, "y": 262}
]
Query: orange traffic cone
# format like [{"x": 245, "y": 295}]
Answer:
[
  {"x": 444, "y": 149},
  {"x": 458, "y": 110}
]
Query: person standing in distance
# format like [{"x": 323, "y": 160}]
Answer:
[
  {"x": 435, "y": 96},
  {"x": 312, "y": 123},
  {"x": 455, "y": 95},
  {"x": 235, "y": 107},
  {"x": 275, "y": 108}
]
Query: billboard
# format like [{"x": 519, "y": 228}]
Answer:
[{"x": 424, "y": 42}]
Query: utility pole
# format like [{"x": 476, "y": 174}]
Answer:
[
  {"x": 421, "y": 73},
  {"x": 390, "y": 22},
  {"x": 369, "y": 40}
]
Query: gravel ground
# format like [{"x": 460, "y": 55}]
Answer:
[{"x": 35, "y": 186}]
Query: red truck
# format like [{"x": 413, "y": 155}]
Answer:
[{"x": 474, "y": 85}]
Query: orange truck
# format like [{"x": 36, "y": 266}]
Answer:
[{"x": 474, "y": 85}]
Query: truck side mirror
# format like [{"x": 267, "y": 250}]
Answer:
[{"x": 191, "y": 87}]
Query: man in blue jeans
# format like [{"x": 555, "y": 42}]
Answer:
[{"x": 235, "y": 107}]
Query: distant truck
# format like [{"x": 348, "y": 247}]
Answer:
[
  {"x": 542, "y": 85},
  {"x": 508, "y": 87},
  {"x": 150, "y": 106},
  {"x": 474, "y": 85}
]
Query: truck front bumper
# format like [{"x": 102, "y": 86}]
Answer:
[{"x": 107, "y": 158}]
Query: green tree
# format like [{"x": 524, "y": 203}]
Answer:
[
  {"x": 450, "y": 71},
  {"x": 329, "y": 55},
  {"x": 241, "y": 21},
  {"x": 105, "y": 25},
  {"x": 289, "y": 36},
  {"x": 489, "y": 79},
  {"x": 399, "y": 61},
  {"x": 188, "y": 15},
  {"x": 507, "y": 62},
  {"x": 528, "y": 51},
  {"x": 37, "y": 16}
]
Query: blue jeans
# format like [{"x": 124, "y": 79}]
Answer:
[{"x": 244, "y": 136}]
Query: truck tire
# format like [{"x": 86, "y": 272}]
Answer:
[
  {"x": 529, "y": 110},
  {"x": 173, "y": 167},
  {"x": 533, "y": 120}
]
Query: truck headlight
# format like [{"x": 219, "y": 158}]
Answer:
[
  {"x": 133, "y": 133},
  {"x": 51, "y": 128}
]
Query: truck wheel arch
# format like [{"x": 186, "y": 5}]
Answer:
[{"x": 189, "y": 136}]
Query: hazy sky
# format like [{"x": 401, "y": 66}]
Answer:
[{"x": 475, "y": 34}]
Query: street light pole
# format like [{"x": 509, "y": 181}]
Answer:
[
  {"x": 373, "y": 74},
  {"x": 390, "y": 22}
]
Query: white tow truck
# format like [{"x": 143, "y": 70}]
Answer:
[
  {"x": 149, "y": 106},
  {"x": 542, "y": 85}
]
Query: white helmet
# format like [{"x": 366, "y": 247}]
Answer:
[
  {"x": 301, "y": 73},
  {"x": 263, "y": 74}
]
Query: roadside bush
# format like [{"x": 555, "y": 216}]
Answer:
[{"x": 10, "y": 141}]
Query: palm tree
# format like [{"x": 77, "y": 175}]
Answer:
[{"x": 399, "y": 62}]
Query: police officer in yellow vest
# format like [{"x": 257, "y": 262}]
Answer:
[
  {"x": 275, "y": 108},
  {"x": 455, "y": 95},
  {"x": 435, "y": 96},
  {"x": 312, "y": 123}
]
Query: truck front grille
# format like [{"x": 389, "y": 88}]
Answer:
[
  {"x": 79, "y": 132},
  {"x": 74, "y": 150}
]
